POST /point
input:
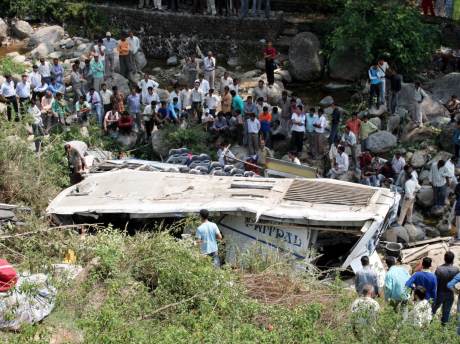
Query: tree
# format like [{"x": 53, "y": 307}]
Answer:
[{"x": 391, "y": 29}]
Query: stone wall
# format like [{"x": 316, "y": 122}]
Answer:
[{"x": 164, "y": 33}]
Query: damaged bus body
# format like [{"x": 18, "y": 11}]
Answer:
[{"x": 341, "y": 221}]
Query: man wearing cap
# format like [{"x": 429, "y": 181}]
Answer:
[
  {"x": 35, "y": 80},
  {"x": 97, "y": 71},
  {"x": 23, "y": 92},
  {"x": 8, "y": 92},
  {"x": 110, "y": 45}
]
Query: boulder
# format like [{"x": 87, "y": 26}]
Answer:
[
  {"x": 120, "y": 81},
  {"x": 430, "y": 106},
  {"x": 445, "y": 138},
  {"x": 381, "y": 141},
  {"x": 419, "y": 158},
  {"x": 250, "y": 74},
  {"x": 172, "y": 61},
  {"x": 347, "y": 65},
  {"x": 423, "y": 177},
  {"x": 233, "y": 62},
  {"x": 127, "y": 141},
  {"x": 274, "y": 93},
  {"x": 158, "y": 144},
  {"x": 393, "y": 124},
  {"x": 431, "y": 232},
  {"x": 42, "y": 50},
  {"x": 440, "y": 156},
  {"x": 378, "y": 111},
  {"x": 48, "y": 35},
  {"x": 305, "y": 61},
  {"x": 446, "y": 86},
  {"x": 326, "y": 101},
  {"x": 413, "y": 133},
  {"x": 22, "y": 29},
  {"x": 19, "y": 59},
  {"x": 424, "y": 198},
  {"x": 55, "y": 55},
  {"x": 3, "y": 29},
  {"x": 285, "y": 75},
  {"x": 400, "y": 233},
  {"x": 376, "y": 121},
  {"x": 141, "y": 61},
  {"x": 415, "y": 233},
  {"x": 260, "y": 65}
]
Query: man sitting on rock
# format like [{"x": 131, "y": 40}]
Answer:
[
  {"x": 125, "y": 123},
  {"x": 453, "y": 106},
  {"x": 341, "y": 164}
]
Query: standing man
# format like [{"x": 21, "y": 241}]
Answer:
[
  {"x": 298, "y": 129},
  {"x": 226, "y": 102},
  {"x": 253, "y": 126},
  {"x": 110, "y": 45},
  {"x": 439, "y": 178},
  {"x": 395, "y": 87},
  {"x": 270, "y": 65},
  {"x": 428, "y": 7},
  {"x": 44, "y": 69},
  {"x": 197, "y": 101},
  {"x": 57, "y": 72},
  {"x": 97, "y": 71},
  {"x": 23, "y": 93},
  {"x": 395, "y": 284},
  {"x": 123, "y": 53},
  {"x": 320, "y": 128},
  {"x": 424, "y": 278},
  {"x": 93, "y": 97},
  {"x": 411, "y": 187},
  {"x": 8, "y": 92},
  {"x": 375, "y": 81},
  {"x": 35, "y": 80},
  {"x": 106, "y": 96},
  {"x": 366, "y": 128},
  {"x": 445, "y": 297},
  {"x": 310, "y": 119},
  {"x": 144, "y": 85},
  {"x": 419, "y": 96},
  {"x": 133, "y": 101},
  {"x": 366, "y": 276},
  {"x": 210, "y": 66},
  {"x": 335, "y": 122},
  {"x": 225, "y": 80},
  {"x": 134, "y": 47},
  {"x": 382, "y": 67},
  {"x": 207, "y": 236},
  {"x": 349, "y": 140}
]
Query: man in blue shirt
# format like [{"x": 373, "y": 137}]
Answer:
[
  {"x": 366, "y": 277},
  {"x": 395, "y": 283},
  {"x": 134, "y": 106},
  {"x": 207, "y": 235},
  {"x": 375, "y": 81},
  {"x": 426, "y": 279}
]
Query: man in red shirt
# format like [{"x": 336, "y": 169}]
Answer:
[
  {"x": 270, "y": 65},
  {"x": 8, "y": 276},
  {"x": 354, "y": 123},
  {"x": 125, "y": 123}
]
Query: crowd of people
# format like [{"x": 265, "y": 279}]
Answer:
[
  {"x": 430, "y": 292},
  {"x": 241, "y": 8}
]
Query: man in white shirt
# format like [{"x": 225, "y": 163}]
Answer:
[
  {"x": 398, "y": 163},
  {"x": 298, "y": 129},
  {"x": 225, "y": 80},
  {"x": 320, "y": 127},
  {"x": 341, "y": 164},
  {"x": 23, "y": 92},
  {"x": 151, "y": 96},
  {"x": 419, "y": 96},
  {"x": 175, "y": 93},
  {"x": 382, "y": 67},
  {"x": 411, "y": 187},
  {"x": 134, "y": 47},
  {"x": 235, "y": 86},
  {"x": 439, "y": 178},
  {"x": 106, "y": 96},
  {"x": 210, "y": 69},
  {"x": 197, "y": 101},
  {"x": 99, "y": 50},
  {"x": 144, "y": 84},
  {"x": 8, "y": 92},
  {"x": 94, "y": 99},
  {"x": 44, "y": 68},
  {"x": 110, "y": 45},
  {"x": 148, "y": 117},
  {"x": 204, "y": 85},
  {"x": 185, "y": 98},
  {"x": 35, "y": 80},
  {"x": 349, "y": 140},
  {"x": 260, "y": 91},
  {"x": 211, "y": 102},
  {"x": 253, "y": 126}
]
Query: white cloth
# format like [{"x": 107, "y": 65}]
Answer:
[
  {"x": 44, "y": 69},
  {"x": 149, "y": 98},
  {"x": 100, "y": 51},
  {"x": 204, "y": 86},
  {"x": 419, "y": 95},
  {"x": 298, "y": 122},
  {"x": 7, "y": 89},
  {"x": 253, "y": 126},
  {"x": 197, "y": 96},
  {"x": 144, "y": 85},
  {"x": 185, "y": 98},
  {"x": 212, "y": 101},
  {"x": 225, "y": 82},
  {"x": 134, "y": 44},
  {"x": 322, "y": 122},
  {"x": 209, "y": 63},
  {"x": 410, "y": 188},
  {"x": 105, "y": 95},
  {"x": 23, "y": 89},
  {"x": 260, "y": 93},
  {"x": 437, "y": 176},
  {"x": 342, "y": 162},
  {"x": 398, "y": 164},
  {"x": 35, "y": 79}
]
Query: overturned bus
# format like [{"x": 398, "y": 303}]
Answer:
[{"x": 342, "y": 221}]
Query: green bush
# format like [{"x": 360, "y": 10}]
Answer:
[
  {"x": 385, "y": 28},
  {"x": 8, "y": 66}
]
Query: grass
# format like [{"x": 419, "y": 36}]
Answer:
[{"x": 8, "y": 66}]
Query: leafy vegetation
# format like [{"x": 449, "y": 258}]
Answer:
[
  {"x": 389, "y": 29},
  {"x": 8, "y": 66}
]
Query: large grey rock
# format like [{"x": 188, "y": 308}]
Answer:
[
  {"x": 415, "y": 233},
  {"x": 393, "y": 124},
  {"x": 172, "y": 61},
  {"x": 3, "y": 29},
  {"x": 400, "y": 233},
  {"x": 48, "y": 35},
  {"x": 275, "y": 92},
  {"x": 55, "y": 55},
  {"x": 305, "y": 61},
  {"x": 141, "y": 61},
  {"x": 419, "y": 158},
  {"x": 381, "y": 141},
  {"x": 424, "y": 198},
  {"x": 158, "y": 145},
  {"x": 127, "y": 141},
  {"x": 431, "y": 232},
  {"x": 347, "y": 65},
  {"x": 285, "y": 75},
  {"x": 378, "y": 111},
  {"x": 22, "y": 29},
  {"x": 446, "y": 86},
  {"x": 423, "y": 177},
  {"x": 412, "y": 133},
  {"x": 445, "y": 138},
  {"x": 376, "y": 121},
  {"x": 120, "y": 81},
  {"x": 233, "y": 62},
  {"x": 430, "y": 106},
  {"x": 42, "y": 50}
]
